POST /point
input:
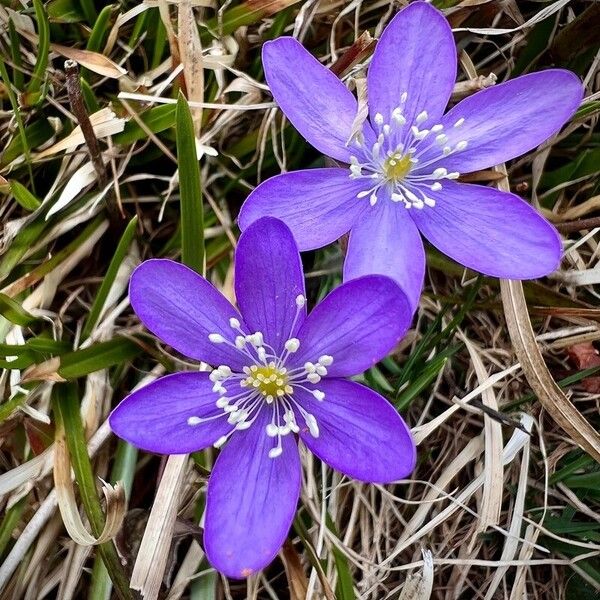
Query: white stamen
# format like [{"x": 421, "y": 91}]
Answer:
[
  {"x": 461, "y": 145},
  {"x": 459, "y": 122},
  {"x": 216, "y": 338},
  {"x": 442, "y": 138},
  {"x": 437, "y": 128},
  {"x": 439, "y": 173},
  {"x": 398, "y": 116},
  {"x": 422, "y": 116},
  {"x": 373, "y": 199},
  {"x": 234, "y": 323},
  {"x": 453, "y": 175},
  {"x": 319, "y": 395},
  {"x": 436, "y": 187},
  {"x": 292, "y": 345},
  {"x": 313, "y": 377},
  {"x": 446, "y": 150},
  {"x": 275, "y": 452},
  {"x": 379, "y": 119},
  {"x": 429, "y": 201},
  {"x": 403, "y": 97},
  {"x": 194, "y": 421},
  {"x": 300, "y": 301},
  {"x": 220, "y": 441},
  {"x": 311, "y": 422},
  {"x": 272, "y": 430},
  {"x": 326, "y": 360}
]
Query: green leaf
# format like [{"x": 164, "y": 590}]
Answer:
[
  {"x": 155, "y": 119},
  {"x": 192, "y": 214},
  {"x": 65, "y": 403},
  {"x": 98, "y": 356},
  {"x": 36, "y": 134},
  {"x": 23, "y": 196},
  {"x": 10, "y": 309},
  {"x": 101, "y": 29},
  {"x": 40, "y": 70},
  {"x": 109, "y": 279},
  {"x": 65, "y": 11}
]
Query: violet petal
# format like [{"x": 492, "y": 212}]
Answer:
[
  {"x": 318, "y": 205},
  {"x": 360, "y": 433},
  {"x": 182, "y": 309},
  {"x": 155, "y": 417},
  {"x": 415, "y": 55},
  {"x": 385, "y": 241},
  {"x": 357, "y": 324},
  {"x": 507, "y": 120},
  {"x": 316, "y": 102},
  {"x": 268, "y": 279},
  {"x": 251, "y": 501},
  {"x": 493, "y": 232}
]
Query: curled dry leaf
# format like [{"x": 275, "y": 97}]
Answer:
[
  {"x": 585, "y": 356},
  {"x": 419, "y": 586},
  {"x": 67, "y": 504},
  {"x": 296, "y": 577},
  {"x": 46, "y": 371}
]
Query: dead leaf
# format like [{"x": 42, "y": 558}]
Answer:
[
  {"x": 585, "y": 356},
  {"x": 98, "y": 63}
]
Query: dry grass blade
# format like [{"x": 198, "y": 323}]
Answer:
[
  {"x": 152, "y": 558},
  {"x": 491, "y": 501},
  {"x": 419, "y": 586},
  {"x": 559, "y": 407}
]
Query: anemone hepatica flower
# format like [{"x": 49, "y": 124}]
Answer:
[
  {"x": 403, "y": 165},
  {"x": 280, "y": 375}
]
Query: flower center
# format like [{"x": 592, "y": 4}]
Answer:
[
  {"x": 404, "y": 161},
  {"x": 397, "y": 167},
  {"x": 270, "y": 381}
]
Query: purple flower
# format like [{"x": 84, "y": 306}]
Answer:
[
  {"x": 405, "y": 161},
  {"x": 280, "y": 375}
]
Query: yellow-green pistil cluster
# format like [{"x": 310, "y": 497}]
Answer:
[
  {"x": 270, "y": 381},
  {"x": 397, "y": 167}
]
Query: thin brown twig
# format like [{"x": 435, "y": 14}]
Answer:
[
  {"x": 83, "y": 119},
  {"x": 578, "y": 224}
]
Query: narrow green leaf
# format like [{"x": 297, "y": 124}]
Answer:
[
  {"x": 344, "y": 589},
  {"x": 15, "y": 50},
  {"x": 65, "y": 402},
  {"x": 101, "y": 29},
  {"x": 192, "y": 214},
  {"x": 10, "y": 309},
  {"x": 22, "y": 137},
  {"x": 11, "y": 518},
  {"x": 109, "y": 278},
  {"x": 65, "y": 11},
  {"x": 96, "y": 357},
  {"x": 40, "y": 70},
  {"x": 156, "y": 119},
  {"x": 23, "y": 196},
  {"x": 33, "y": 135}
]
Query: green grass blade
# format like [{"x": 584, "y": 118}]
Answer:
[
  {"x": 109, "y": 278},
  {"x": 192, "y": 214}
]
